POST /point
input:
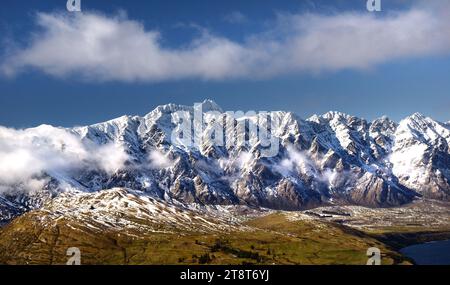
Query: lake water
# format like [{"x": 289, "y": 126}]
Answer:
[{"x": 431, "y": 253}]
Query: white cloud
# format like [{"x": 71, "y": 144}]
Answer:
[
  {"x": 97, "y": 47},
  {"x": 243, "y": 159},
  {"x": 300, "y": 162},
  {"x": 27, "y": 155},
  {"x": 159, "y": 160},
  {"x": 110, "y": 157},
  {"x": 297, "y": 161}
]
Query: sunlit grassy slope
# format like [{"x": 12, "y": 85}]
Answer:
[{"x": 271, "y": 239}]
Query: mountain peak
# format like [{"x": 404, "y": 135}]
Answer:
[
  {"x": 207, "y": 105},
  {"x": 418, "y": 125},
  {"x": 416, "y": 120},
  {"x": 210, "y": 105},
  {"x": 417, "y": 116},
  {"x": 383, "y": 120},
  {"x": 330, "y": 115},
  {"x": 168, "y": 108},
  {"x": 122, "y": 120}
]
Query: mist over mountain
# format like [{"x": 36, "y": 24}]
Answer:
[{"x": 326, "y": 159}]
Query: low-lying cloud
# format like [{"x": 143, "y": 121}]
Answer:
[
  {"x": 297, "y": 161},
  {"x": 300, "y": 162},
  {"x": 28, "y": 157},
  {"x": 96, "y": 47},
  {"x": 159, "y": 160}
]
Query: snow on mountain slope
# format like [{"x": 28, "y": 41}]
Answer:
[
  {"x": 332, "y": 158},
  {"x": 120, "y": 208},
  {"x": 421, "y": 156}
]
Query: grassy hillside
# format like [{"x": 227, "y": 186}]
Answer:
[{"x": 271, "y": 239}]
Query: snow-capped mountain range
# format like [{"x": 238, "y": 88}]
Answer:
[{"x": 329, "y": 159}]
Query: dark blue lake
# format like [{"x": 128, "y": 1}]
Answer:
[{"x": 431, "y": 253}]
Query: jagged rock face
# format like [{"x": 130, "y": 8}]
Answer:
[
  {"x": 374, "y": 191},
  {"x": 333, "y": 158},
  {"x": 421, "y": 156}
]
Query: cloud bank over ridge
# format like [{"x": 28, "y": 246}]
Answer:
[{"x": 29, "y": 156}]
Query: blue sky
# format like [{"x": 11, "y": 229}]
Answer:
[{"x": 245, "y": 55}]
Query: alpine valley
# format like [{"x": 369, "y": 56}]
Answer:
[{"x": 124, "y": 193}]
